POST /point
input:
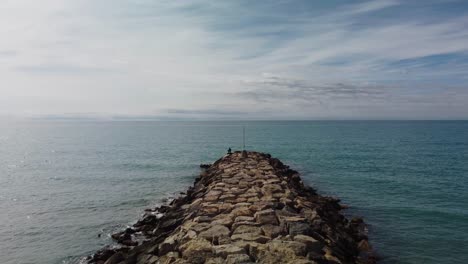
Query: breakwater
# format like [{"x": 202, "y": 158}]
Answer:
[{"x": 247, "y": 207}]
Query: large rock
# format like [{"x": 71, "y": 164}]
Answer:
[
  {"x": 266, "y": 217},
  {"x": 237, "y": 258},
  {"x": 241, "y": 211},
  {"x": 298, "y": 228},
  {"x": 250, "y": 237},
  {"x": 247, "y": 229},
  {"x": 225, "y": 250},
  {"x": 197, "y": 250},
  {"x": 272, "y": 231},
  {"x": 289, "y": 249},
  {"x": 115, "y": 259},
  {"x": 215, "y": 232},
  {"x": 167, "y": 245},
  {"x": 311, "y": 243}
]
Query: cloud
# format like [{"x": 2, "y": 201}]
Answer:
[
  {"x": 294, "y": 90},
  {"x": 210, "y": 112},
  {"x": 201, "y": 57},
  {"x": 8, "y": 53},
  {"x": 62, "y": 69}
]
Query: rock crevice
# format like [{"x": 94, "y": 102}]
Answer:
[{"x": 247, "y": 207}]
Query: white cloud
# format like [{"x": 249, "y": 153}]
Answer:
[{"x": 145, "y": 57}]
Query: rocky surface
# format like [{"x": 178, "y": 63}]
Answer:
[{"x": 245, "y": 208}]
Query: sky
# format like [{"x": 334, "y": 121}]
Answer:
[{"x": 278, "y": 59}]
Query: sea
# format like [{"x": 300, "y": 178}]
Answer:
[{"x": 65, "y": 186}]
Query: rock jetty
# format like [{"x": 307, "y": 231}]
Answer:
[{"x": 247, "y": 207}]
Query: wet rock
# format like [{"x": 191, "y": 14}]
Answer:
[
  {"x": 102, "y": 255},
  {"x": 116, "y": 258},
  {"x": 364, "y": 245}
]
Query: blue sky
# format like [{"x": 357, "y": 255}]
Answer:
[{"x": 382, "y": 59}]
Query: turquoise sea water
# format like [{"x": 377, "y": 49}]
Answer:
[{"x": 63, "y": 183}]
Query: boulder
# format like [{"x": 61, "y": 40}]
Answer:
[
  {"x": 225, "y": 250},
  {"x": 241, "y": 211},
  {"x": 250, "y": 237},
  {"x": 272, "y": 231},
  {"x": 215, "y": 232},
  {"x": 115, "y": 259},
  {"x": 244, "y": 219},
  {"x": 167, "y": 245},
  {"x": 289, "y": 249},
  {"x": 196, "y": 250},
  {"x": 237, "y": 258},
  {"x": 265, "y": 217},
  {"x": 247, "y": 229},
  {"x": 223, "y": 219},
  {"x": 311, "y": 243}
]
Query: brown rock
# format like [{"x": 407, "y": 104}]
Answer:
[
  {"x": 202, "y": 219},
  {"x": 227, "y": 196},
  {"x": 272, "y": 231},
  {"x": 266, "y": 217},
  {"x": 188, "y": 236},
  {"x": 241, "y": 211},
  {"x": 250, "y": 237},
  {"x": 200, "y": 227},
  {"x": 253, "y": 199},
  {"x": 236, "y": 224},
  {"x": 290, "y": 249},
  {"x": 170, "y": 257},
  {"x": 247, "y": 229},
  {"x": 244, "y": 219},
  {"x": 298, "y": 228},
  {"x": 211, "y": 198},
  {"x": 270, "y": 189},
  {"x": 215, "y": 261},
  {"x": 311, "y": 243},
  {"x": 167, "y": 245},
  {"x": 196, "y": 250},
  {"x": 364, "y": 245},
  {"x": 223, "y": 219},
  {"x": 237, "y": 258},
  {"x": 225, "y": 250},
  {"x": 215, "y": 232}
]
